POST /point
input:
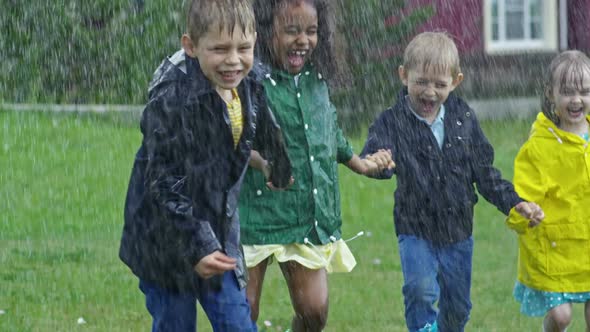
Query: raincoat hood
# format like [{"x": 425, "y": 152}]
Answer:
[{"x": 543, "y": 128}]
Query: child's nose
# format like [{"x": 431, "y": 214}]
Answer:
[
  {"x": 302, "y": 39},
  {"x": 233, "y": 57},
  {"x": 429, "y": 91},
  {"x": 576, "y": 99}
]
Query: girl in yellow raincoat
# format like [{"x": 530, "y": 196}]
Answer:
[{"x": 553, "y": 169}]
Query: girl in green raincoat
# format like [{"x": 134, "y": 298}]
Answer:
[{"x": 299, "y": 227}]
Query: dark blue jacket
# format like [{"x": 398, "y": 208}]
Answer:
[
  {"x": 182, "y": 197},
  {"x": 435, "y": 191}
]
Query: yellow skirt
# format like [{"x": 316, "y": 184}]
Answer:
[{"x": 334, "y": 256}]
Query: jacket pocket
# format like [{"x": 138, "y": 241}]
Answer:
[
  {"x": 567, "y": 249},
  {"x": 460, "y": 149},
  {"x": 272, "y": 209}
]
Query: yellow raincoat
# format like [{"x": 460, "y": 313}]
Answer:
[{"x": 553, "y": 170}]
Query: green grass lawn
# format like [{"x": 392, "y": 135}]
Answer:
[{"x": 62, "y": 187}]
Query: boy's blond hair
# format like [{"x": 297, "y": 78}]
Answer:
[
  {"x": 224, "y": 15},
  {"x": 432, "y": 50}
]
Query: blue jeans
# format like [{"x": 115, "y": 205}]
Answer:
[
  {"x": 227, "y": 310},
  {"x": 436, "y": 274}
]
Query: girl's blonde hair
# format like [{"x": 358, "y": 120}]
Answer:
[{"x": 566, "y": 67}]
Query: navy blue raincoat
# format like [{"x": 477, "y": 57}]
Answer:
[
  {"x": 435, "y": 192},
  {"x": 182, "y": 197}
]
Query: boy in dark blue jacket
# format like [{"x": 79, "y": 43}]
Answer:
[
  {"x": 181, "y": 233},
  {"x": 440, "y": 152}
]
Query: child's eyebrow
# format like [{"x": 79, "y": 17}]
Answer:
[
  {"x": 220, "y": 44},
  {"x": 292, "y": 26},
  {"x": 298, "y": 25}
]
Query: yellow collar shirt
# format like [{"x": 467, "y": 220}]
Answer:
[{"x": 234, "y": 109}]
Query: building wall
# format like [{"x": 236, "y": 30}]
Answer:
[
  {"x": 578, "y": 22},
  {"x": 494, "y": 75},
  {"x": 464, "y": 22},
  {"x": 488, "y": 76}
]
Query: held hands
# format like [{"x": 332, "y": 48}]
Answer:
[
  {"x": 215, "y": 263},
  {"x": 378, "y": 161},
  {"x": 273, "y": 188},
  {"x": 531, "y": 211},
  {"x": 261, "y": 164},
  {"x": 266, "y": 171}
]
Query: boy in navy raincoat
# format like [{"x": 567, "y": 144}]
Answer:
[{"x": 204, "y": 115}]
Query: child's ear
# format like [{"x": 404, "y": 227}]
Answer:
[
  {"x": 187, "y": 45},
  {"x": 403, "y": 75},
  {"x": 457, "y": 80},
  {"x": 548, "y": 93}
]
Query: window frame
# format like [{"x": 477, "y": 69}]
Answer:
[{"x": 549, "y": 22}]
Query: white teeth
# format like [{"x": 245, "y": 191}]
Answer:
[{"x": 300, "y": 53}]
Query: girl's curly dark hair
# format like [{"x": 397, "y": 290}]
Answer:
[{"x": 323, "y": 55}]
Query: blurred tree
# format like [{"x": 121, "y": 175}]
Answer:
[
  {"x": 105, "y": 51},
  {"x": 375, "y": 33},
  {"x": 71, "y": 51}
]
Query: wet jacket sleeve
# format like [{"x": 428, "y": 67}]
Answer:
[
  {"x": 379, "y": 138},
  {"x": 488, "y": 179},
  {"x": 270, "y": 143},
  {"x": 529, "y": 184},
  {"x": 343, "y": 148},
  {"x": 166, "y": 179}
]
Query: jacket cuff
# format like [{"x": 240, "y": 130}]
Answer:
[
  {"x": 205, "y": 243},
  {"x": 345, "y": 155},
  {"x": 517, "y": 222},
  {"x": 513, "y": 201}
]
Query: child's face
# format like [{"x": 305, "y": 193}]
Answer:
[
  {"x": 295, "y": 36},
  {"x": 572, "y": 101},
  {"x": 429, "y": 89},
  {"x": 225, "y": 58}
]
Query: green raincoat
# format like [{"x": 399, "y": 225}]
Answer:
[{"x": 310, "y": 208}]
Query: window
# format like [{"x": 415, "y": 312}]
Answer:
[{"x": 520, "y": 25}]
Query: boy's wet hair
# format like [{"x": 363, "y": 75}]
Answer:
[
  {"x": 432, "y": 50},
  {"x": 224, "y": 15},
  {"x": 322, "y": 56},
  {"x": 566, "y": 67}
]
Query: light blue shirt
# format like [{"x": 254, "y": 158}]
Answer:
[{"x": 437, "y": 127}]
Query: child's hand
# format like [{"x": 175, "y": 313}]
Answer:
[
  {"x": 532, "y": 211},
  {"x": 382, "y": 159},
  {"x": 215, "y": 263},
  {"x": 369, "y": 167},
  {"x": 259, "y": 163},
  {"x": 273, "y": 188}
]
